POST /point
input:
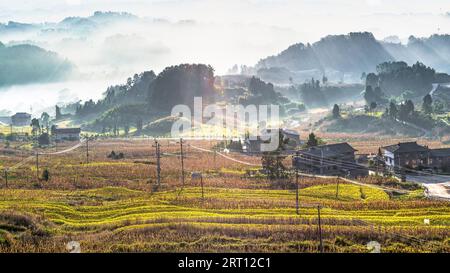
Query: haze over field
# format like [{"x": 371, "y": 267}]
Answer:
[{"x": 154, "y": 34}]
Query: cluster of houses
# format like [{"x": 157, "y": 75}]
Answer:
[
  {"x": 253, "y": 145},
  {"x": 341, "y": 159},
  {"x": 332, "y": 159},
  {"x": 18, "y": 119},
  {"x": 59, "y": 134}
]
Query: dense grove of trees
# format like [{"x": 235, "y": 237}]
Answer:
[
  {"x": 374, "y": 95},
  {"x": 260, "y": 92},
  {"x": 180, "y": 84},
  {"x": 394, "y": 78},
  {"x": 123, "y": 116},
  {"x": 406, "y": 112},
  {"x": 146, "y": 96},
  {"x": 135, "y": 91},
  {"x": 312, "y": 95}
]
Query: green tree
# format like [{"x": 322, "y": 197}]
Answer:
[
  {"x": 58, "y": 114},
  {"x": 139, "y": 125},
  {"x": 373, "y": 106},
  {"x": 272, "y": 162},
  {"x": 312, "y": 140},
  {"x": 336, "y": 111},
  {"x": 46, "y": 175},
  {"x": 45, "y": 120},
  {"x": 35, "y": 126},
  {"x": 44, "y": 139},
  {"x": 393, "y": 111},
  {"x": 427, "y": 105}
]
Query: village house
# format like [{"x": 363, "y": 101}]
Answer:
[
  {"x": 410, "y": 155},
  {"x": 440, "y": 160},
  {"x": 405, "y": 155},
  {"x": 253, "y": 144},
  {"x": 332, "y": 159},
  {"x": 21, "y": 119},
  {"x": 61, "y": 134}
]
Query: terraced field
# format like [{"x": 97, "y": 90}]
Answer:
[{"x": 118, "y": 219}]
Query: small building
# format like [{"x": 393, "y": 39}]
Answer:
[
  {"x": 21, "y": 119},
  {"x": 405, "y": 155},
  {"x": 253, "y": 144},
  {"x": 292, "y": 136},
  {"x": 332, "y": 159},
  {"x": 439, "y": 159},
  {"x": 61, "y": 134}
]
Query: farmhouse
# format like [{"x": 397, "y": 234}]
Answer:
[
  {"x": 411, "y": 155},
  {"x": 405, "y": 155},
  {"x": 21, "y": 119},
  {"x": 332, "y": 159},
  {"x": 253, "y": 144},
  {"x": 61, "y": 134},
  {"x": 440, "y": 159}
]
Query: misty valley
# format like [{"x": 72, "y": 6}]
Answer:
[{"x": 338, "y": 140}]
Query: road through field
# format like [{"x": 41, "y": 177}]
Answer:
[{"x": 438, "y": 186}]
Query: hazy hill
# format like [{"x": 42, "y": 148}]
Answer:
[
  {"x": 23, "y": 64},
  {"x": 80, "y": 25},
  {"x": 354, "y": 54}
]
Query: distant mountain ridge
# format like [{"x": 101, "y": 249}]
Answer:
[
  {"x": 22, "y": 64},
  {"x": 358, "y": 52},
  {"x": 71, "y": 24}
]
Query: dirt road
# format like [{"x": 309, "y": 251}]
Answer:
[{"x": 438, "y": 186}]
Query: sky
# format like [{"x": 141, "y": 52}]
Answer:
[
  {"x": 340, "y": 15},
  {"x": 220, "y": 32},
  {"x": 257, "y": 27}
]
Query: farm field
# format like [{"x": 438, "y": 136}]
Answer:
[{"x": 112, "y": 205}]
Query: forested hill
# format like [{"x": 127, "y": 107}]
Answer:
[
  {"x": 22, "y": 64},
  {"x": 147, "y": 96},
  {"x": 356, "y": 53},
  {"x": 180, "y": 84},
  {"x": 351, "y": 53}
]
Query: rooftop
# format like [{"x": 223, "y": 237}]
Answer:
[
  {"x": 443, "y": 152},
  {"x": 405, "y": 147},
  {"x": 329, "y": 150},
  {"x": 66, "y": 130},
  {"x": 22, "y": 114}
]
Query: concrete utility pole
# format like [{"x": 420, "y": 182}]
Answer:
[
  {"x": 320, "y": 230},
  {"x": 182, "y": 162},
  {"x": 296, "y": 192},
  {"x": 37, "y": 166},
  {"x": 158, "y": 162},
  {"x": 6, "y": 178},
  {"x": 337, "y": 188},
  {"x": 87, "y": 150},
  {"x": 201, "y": 183},
  {"x": 321, "y": 161}
]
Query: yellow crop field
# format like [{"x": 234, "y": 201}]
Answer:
[{"x": 110, "y": 205}]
